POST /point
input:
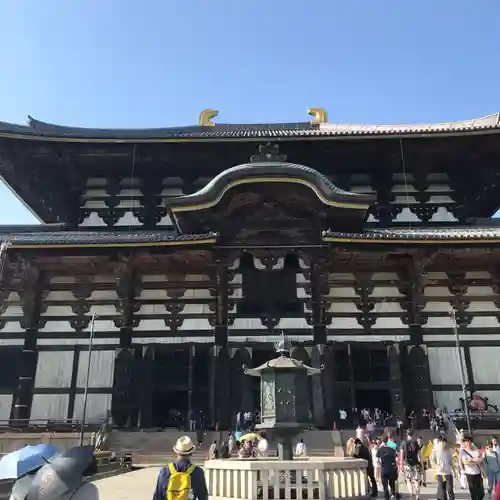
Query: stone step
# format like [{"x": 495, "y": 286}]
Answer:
[{"x": 162, "y": 442}]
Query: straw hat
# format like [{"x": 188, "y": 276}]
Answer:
[{"x": 184, "y": 446}]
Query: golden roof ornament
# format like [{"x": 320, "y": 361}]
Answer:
[
  {"x": 320, "y": 115},
  {"x": 206, "y": 117}
]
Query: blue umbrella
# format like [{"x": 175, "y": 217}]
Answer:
[{"x": 25, "y": 460}]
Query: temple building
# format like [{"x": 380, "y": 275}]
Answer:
[{"x": 187, "y": 252}]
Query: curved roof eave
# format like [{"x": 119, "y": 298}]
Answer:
[
  {"x": 19, "y": 198},
  {"x": 38, "y": 130},
  {"x": 265, "y": 172}
]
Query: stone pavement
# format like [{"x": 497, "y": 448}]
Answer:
[
  {"x": 140, "y": 484},
  {"x": 136, "y": 485}
]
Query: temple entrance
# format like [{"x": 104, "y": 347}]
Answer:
[
  {"x": 362, "y": 377},
  {"x": 374, "y": 398},
  {"x": 171, "y": 386}
]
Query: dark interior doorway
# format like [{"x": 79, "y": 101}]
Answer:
[
  {"x": 370, "y": 398},
  {"x": 171, "y": 386}
]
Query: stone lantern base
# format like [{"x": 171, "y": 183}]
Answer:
[{"x": 284, "y": 434}]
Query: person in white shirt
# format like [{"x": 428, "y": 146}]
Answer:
[
  {"x": 496, "y": 446},
  {"x": 376, "y": 462},
  {"x": 300, "y": 449},
  {"x": 370, "y": 427},
  {"x": 471, "y": 460},
  {"x": 360, "y": 433},
  {"x": 343, "y": 418},
  {"x": 442, "y": 456},
  {"x": 263, "y": 446}
]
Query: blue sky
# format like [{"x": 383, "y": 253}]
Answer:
[{"x": 123, "y": 63}]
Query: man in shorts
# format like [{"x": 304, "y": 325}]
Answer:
[{"x": 412, "y": 464}]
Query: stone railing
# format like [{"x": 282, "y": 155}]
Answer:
[{"x": 317, "y": 478}]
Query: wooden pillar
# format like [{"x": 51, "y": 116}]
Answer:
[
  {"x": 220, "y": 402},
  {"x": 73, "y": 385},
  {"x": 319, "y": 288},
  {"x": 460, "y": 303},
  {"x": 125, "y": 387},
  {"x": 146, "y": 394},
  {"x": 31, "y": 297},
  {"x": 351, "y": 377},
  {"x": 396, "y": 386},
  {"x": 319, "y": 282},
  {"x": 192, "y": 361}
]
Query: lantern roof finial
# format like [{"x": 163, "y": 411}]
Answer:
[{"x": 283, "y": 346}]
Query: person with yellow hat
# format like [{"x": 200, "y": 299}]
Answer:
[{"x": 181, "y": 480}]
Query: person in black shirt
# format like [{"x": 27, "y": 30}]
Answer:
[
  {"x": 388, "y": 468},
  {"x": 361, "y": 451}
]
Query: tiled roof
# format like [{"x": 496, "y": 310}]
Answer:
[
  {"x": 140, "y": 237},
  {"x": 101, "y": 238},
  {"x": 420, "y": 234},
  {"x": 241, "y": 131}
]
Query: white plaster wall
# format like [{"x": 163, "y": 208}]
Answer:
[
  {"x": 344, "y": 307},
  {"x": 49, "y": 407},
  {"x": 13, "y": 311},
  {"x": 479, "y": 291},
  {"x": 152, "y": 309},
  {"x": 368, "y": 338},
  {"x": 102, "y": 367},
  {"x": 153, "y": 294},
  {"x": 385, "y": 291},
  {"x": 484, "y": 322},
  {"x": 19, "y": 341},
  {"x": 389, "y": 323},
  {"x": 197, "y": 293},
  {"x": 59, "y": 310},
  {"x": 342, "y": 277},
  {"x": 387, "y": 307},
  {"x": 93, "y": 220},
  {"x": 293, "y": 324},
  {"x": 447, "y": 399},
  {"x": 485, "y": 364},
  {"x": 443, "y": 215},
  {"x": 406, "y": 215},
  {"x": 60, "y": 295},
  {"x": 57, "y": 326},
  {"x": 196, "y": 324},
  {"x": 385, "y": 276},
  {"x": 193, "y": 308},
  {"x": 102, "y": 326},
  {"x": 442, "y": 307},
  {"x": 344, "y": 324},
  {"x": 177, "y": 339},
  {"x": 151, "y": 325},
  {"x": 128, "y": 219},
  {"x": 78, "y": 341},
  {"x": 478, "y": 275},
  {"x": 5, "y": 406},
  {"x": 439, "y": 322},
  {"x": 444, "y": 365},
  {"x": 12, "y": 327},
  {"x": 347, "y": 292},
  {"x": 247, "y": 324},
  {"x": 98, "y": 406},
  {"x": 437, "y": 291},
  {"x": 54, "y": 369}
]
